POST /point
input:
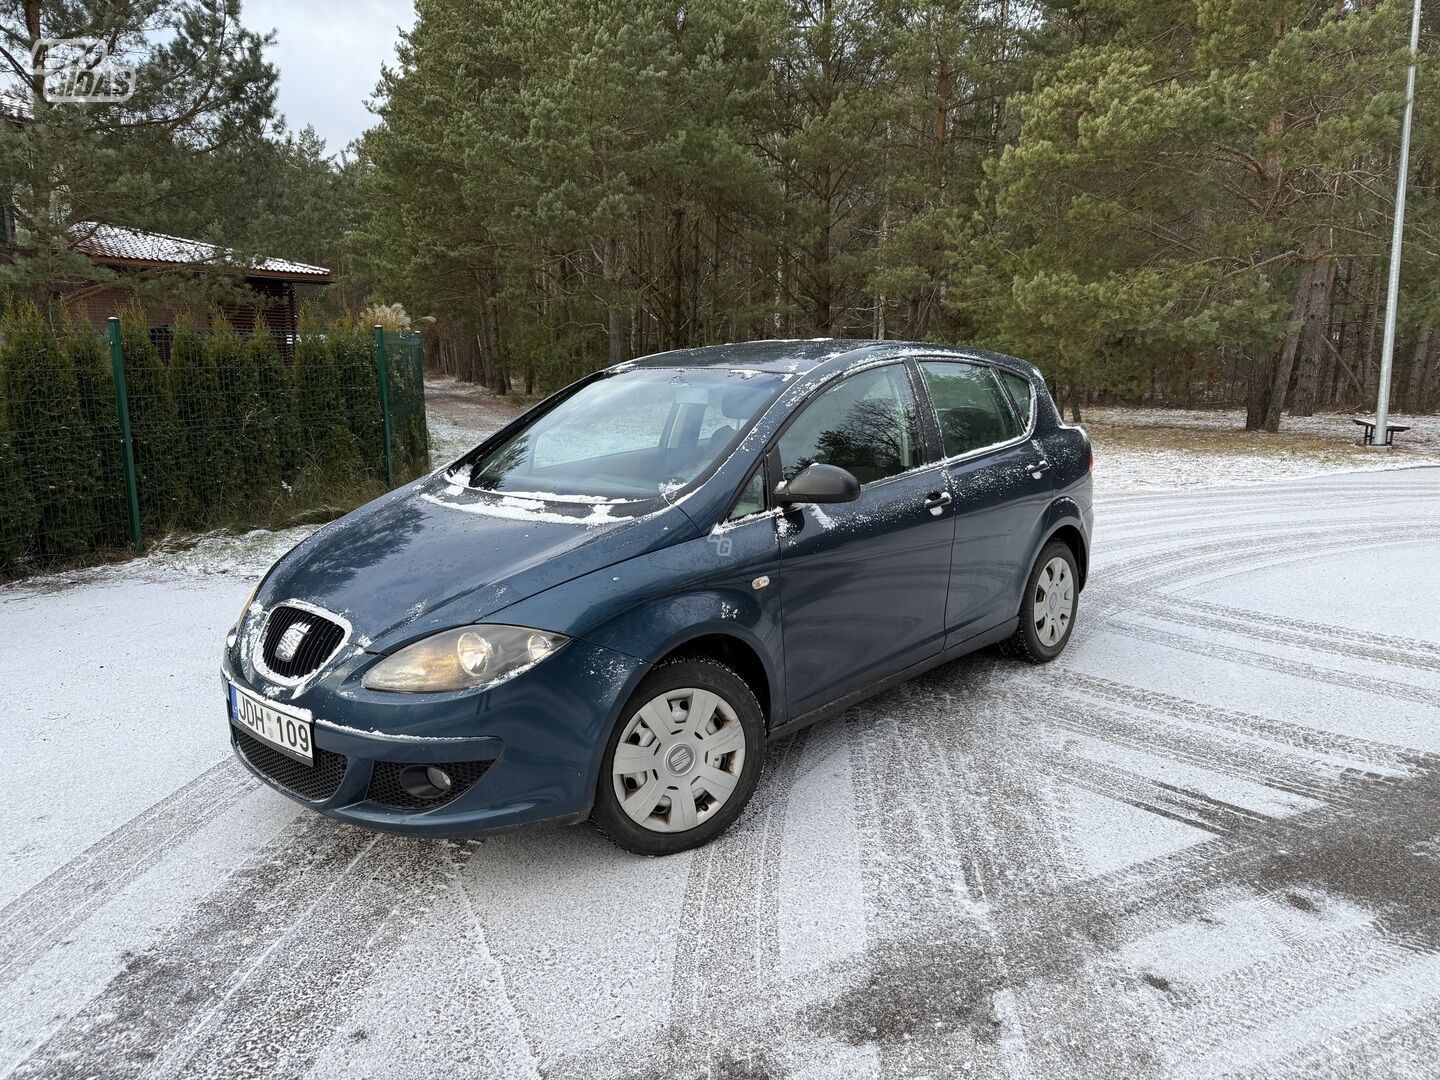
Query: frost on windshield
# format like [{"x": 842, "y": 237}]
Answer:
[{"x": 631, "y": 436}]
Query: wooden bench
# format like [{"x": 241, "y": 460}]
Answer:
[{"x": 1369, "y": 425}]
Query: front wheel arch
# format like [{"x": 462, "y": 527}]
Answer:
[{"x": 735, "y": 653}]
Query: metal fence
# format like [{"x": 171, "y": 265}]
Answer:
[{"x": 110, "y": 442}]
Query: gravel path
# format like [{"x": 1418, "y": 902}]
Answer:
[
  {"x": 1204, "y": 842},
  {"x": 457, "y": 412}
]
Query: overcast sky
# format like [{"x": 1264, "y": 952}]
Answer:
[{"x": 329, "y": 54}]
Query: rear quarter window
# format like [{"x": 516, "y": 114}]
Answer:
[{"x": 1021, "y": 391}]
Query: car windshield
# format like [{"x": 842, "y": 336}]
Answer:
[{"x": 628, "y": 436}]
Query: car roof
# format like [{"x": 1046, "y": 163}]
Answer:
[{"x": 803, "y": 355}]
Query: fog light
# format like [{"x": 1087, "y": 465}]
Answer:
[{"x": 426, "y": 781}]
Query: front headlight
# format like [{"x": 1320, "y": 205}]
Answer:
[{"x": 462, "y": 659}]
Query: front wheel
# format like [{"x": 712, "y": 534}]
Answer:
[
  {"x": 1047, "y": 611},
  {"x": 683, "y": 761}
]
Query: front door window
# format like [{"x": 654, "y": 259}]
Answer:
[{"x": 867, "y": 424}]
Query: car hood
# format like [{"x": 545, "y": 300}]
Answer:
[{"x": 434, "y": 555}]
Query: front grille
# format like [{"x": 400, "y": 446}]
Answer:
[
  {"x": 320, "y": 639},
  {"x": 385, "y": 787},
  {"x": 316, "y": 783}
]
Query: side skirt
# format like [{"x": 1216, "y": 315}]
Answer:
[{"x": 855, "y": 697}]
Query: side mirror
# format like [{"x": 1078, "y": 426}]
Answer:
[{"x": 818, "y": 484}]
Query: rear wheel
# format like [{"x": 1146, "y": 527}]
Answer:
[
  {"x": 683, "y": 761},
  {"x": 1047, "y": 611}
]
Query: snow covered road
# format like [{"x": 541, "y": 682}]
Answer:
[{"x": 1204, "y": 842}]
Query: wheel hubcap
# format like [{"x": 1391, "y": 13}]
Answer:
[
  {"x": 1053, "y": 604},
  {"x": 678, "y": 760}
]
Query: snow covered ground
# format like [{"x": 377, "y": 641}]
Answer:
[
  {"x": 1193, "y": 448},
  {"x": 458, "y": 413},
  {"x": 1205, "y": 842}
]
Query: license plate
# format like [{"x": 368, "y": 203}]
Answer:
[{"x": 286, "y": 732}]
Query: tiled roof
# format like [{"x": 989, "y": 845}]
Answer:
[
  {"x": 16, "y": 106},
  {"x": 104, "y": 242}
]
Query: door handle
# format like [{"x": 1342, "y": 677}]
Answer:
[
  {"x": 1039, "y": 468},
  {"x": 936, "y": 501}
]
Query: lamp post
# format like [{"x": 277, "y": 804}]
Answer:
[{"x": 1392, "y": 295}]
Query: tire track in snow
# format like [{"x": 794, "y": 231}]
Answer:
[
  {"x": 1088, "y": 926},
  {"x": 1183, "y": 514},
  {"x": 1187, "y": 806},
  {"x": 1382, "y": 643},
  {"x": 927, "y": 985},
  {"x": 1239, "y": 731},
  {"x": 1357, "y": 487},
  {"x": 1268, "y": 943},
  {"x": 1284, "y": 557},
  {"x": 1386, "y": 649},
  {"x": 1179, "y": 537},
  {"x": 1172, "y": 564},
  {"x": 716, "y": 897},
  {"x": 1246, "y": 759},
  {"x": 1381, "y": 687},
  {"x": 1251, "y": 761},
  {"x": 1110, "y": 911},
  {"x": 1380, "y": 988},
  {"x": 448, "y": 975},
  {"x": 1409, "y": 1048},
  {"x": 312, "y": 975},
  {"x": 1059, "y": 989},
  {"x": 240, "y": 989},
  {"x": 726, "y": 937},
  {"x": 49, "y": 911}
]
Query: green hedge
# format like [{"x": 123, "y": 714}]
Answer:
[{"x": 227, "y": 431}]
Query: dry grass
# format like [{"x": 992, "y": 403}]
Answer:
[
  {"x": 1204, "y": 441},
  {"x": 1223, "y": 432},
  {"x": 1165, "y": 448}
]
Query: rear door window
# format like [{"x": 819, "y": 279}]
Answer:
[{"x": 973, "y": 410}]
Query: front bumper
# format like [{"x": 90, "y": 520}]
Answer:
[{"x": 528, "y": 749}]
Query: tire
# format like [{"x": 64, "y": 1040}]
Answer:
[
  {"x": 1037, "y": 639},
  {"x": 681, "y": 765}
]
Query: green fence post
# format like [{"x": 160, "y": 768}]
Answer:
[
  {"x": 383, "y": 372},
  {"x": 417, "y": 368},
  {"x": 127, "y": 444}
]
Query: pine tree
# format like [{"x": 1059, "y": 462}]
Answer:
[
  {"x": 1169, "y": 191},
  {"x": 202, "y": 88}
]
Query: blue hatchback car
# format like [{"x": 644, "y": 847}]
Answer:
[{"x": 608, "y": 608}]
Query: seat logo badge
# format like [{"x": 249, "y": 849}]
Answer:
[
  {"x": 290, "y": 642},
  {"x": 760, "y": 582},
  {"x": 680, "y": 759}
]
